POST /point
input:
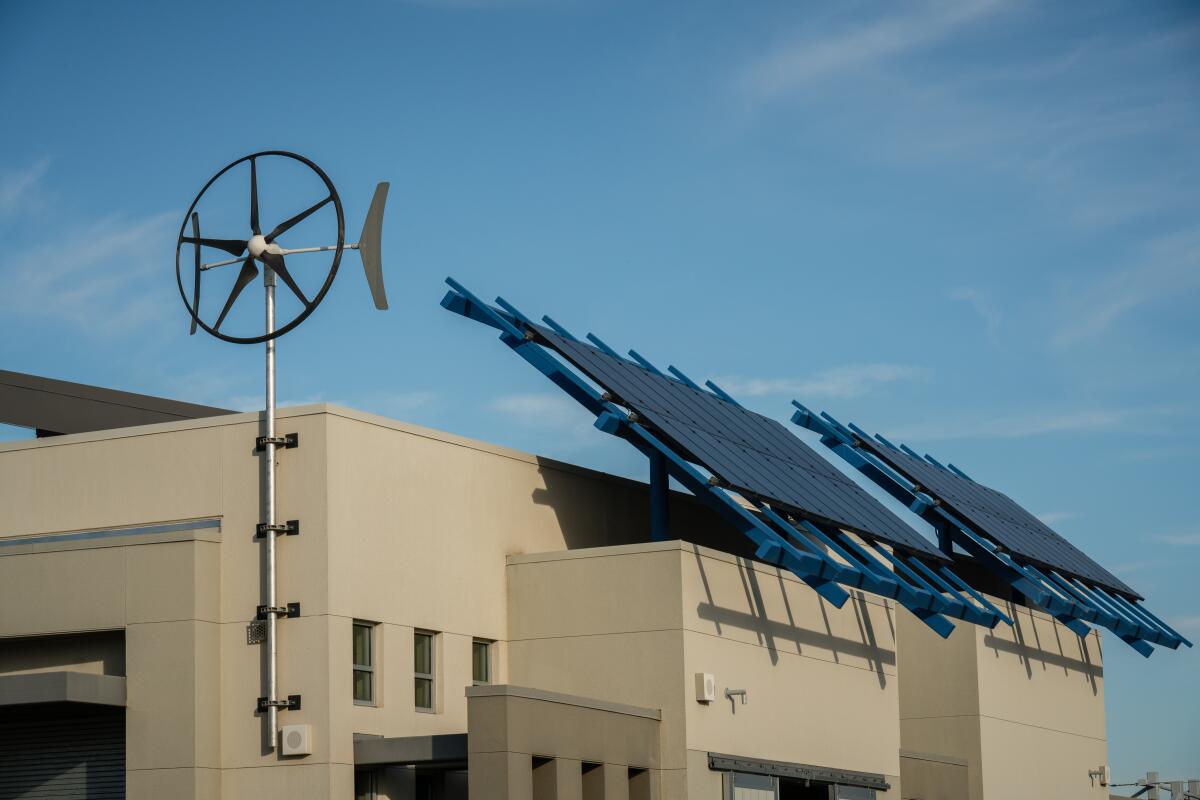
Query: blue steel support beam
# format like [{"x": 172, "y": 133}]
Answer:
[
  {"x": 840, "y": 439},
  {"x": 950, "y": 606},
  {"x": 721, "y": 393},
  {"x": 911, "y": 597},
  {"x": 1150, "y": 615},
  {"x": 684, "y": 379},
  {"x": 935, "y": 462},
  {"x": 842, "y": 573},
  {"x": 884, "y": 586},
  {"x": 971, "y": 590},
  {"x": 660, "y": 495},
  {"x": 979, "y": 615},
  {"x": 594, "y": 339},
  {"x": 1140, "y": 613},
  {"x": 1133, "y": 634},
  {"x": 1099, "y": 615},
  {"x": 559, "y": 329},
  {"x": 1127, "y": 627},
  {"x": 1065, "y": 611},
  {"x": 831, "y": 574},
  {"x": 925, "y": 606},
  {"x": 645, "y": 363},
  {"x": 959, "y": 472},
  {"x": 771, "y": 547}
]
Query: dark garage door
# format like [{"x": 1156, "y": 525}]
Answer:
[{"x": 62, "y": 751}]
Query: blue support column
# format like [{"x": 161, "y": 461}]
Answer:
[{"x": 660, "y": 499}]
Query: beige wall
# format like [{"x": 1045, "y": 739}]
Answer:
[
  {"x": 1022, "y": 705},
  {"x": 410, "y": 528},
  {"x": 633, "y": 624},
  {"x": 400, "y": 525}
]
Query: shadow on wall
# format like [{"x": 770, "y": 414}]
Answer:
[
  {"x": 795, "y": 633},
  {"x": 595, "y": 509},
  {"x": 1071, "y": 654},
  {"x": 598, "y": 510}
]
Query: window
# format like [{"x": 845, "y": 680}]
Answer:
[
  {"x": 364, "y": 663},
  {"x": 423, "y": 665},
  {"x": 481, "y": 662}
]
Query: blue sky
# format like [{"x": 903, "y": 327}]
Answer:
[{"x": 968, "y": 225}]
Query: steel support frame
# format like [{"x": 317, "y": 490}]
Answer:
[
  {"x": 814, "y": 567},
  {"x": 1070, "y": 602}
]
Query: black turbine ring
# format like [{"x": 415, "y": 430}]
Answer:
[{"x": 237, "y": 248}]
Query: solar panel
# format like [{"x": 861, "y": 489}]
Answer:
[
  {"x": 997, "y": 516},
  {"x": 750, "y": 453}
]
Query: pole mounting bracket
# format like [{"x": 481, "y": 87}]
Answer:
[
  {"x": 287, "y": 441},
  {"x": 291, "y": 704},
  {"x": 291, "y": 611},
  {"x": 289, "y": 528}
]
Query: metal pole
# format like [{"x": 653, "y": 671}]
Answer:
[{"x": 269, "y": 453}]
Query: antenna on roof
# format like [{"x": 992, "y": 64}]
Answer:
[{"x": 268, "y": 250}]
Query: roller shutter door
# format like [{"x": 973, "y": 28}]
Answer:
[{"x": 66, "y": 752}]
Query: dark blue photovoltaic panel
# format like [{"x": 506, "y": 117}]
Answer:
[
  {"x": 998, "y": 517},
  {"x": 755, "y": 455}
]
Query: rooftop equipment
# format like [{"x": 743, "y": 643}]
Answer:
[
  {"x": 807, "y": 517},
  {"x": 1043, "y": 567},
  {"x": 268, "y": 250}
]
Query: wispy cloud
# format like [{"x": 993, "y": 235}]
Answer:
[
  {"x": 815, "y": 55},
  {"x": 553, "y": 414},
  {"x": 17, "y": 185},
  {"x": 1178, "y": 539},
  {"x": 852, "y": 380},
  {"x": 928, "y": 83},
  {"x": 1168, "y": 268},
  {"x": 100, "y": 276},
  {"x": 1054, "y": 517},
  {"x": 1128, "y": 568},
  {"x": 1035, "y": 422},
  {"x": 1013, "y": 426},
  {"x": 982, "y": 305}
]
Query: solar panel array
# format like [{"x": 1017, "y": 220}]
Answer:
[
  {"x": 999, "y": 517},
  {"x": 750, "y": 453}
]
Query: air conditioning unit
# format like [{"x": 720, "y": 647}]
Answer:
[
  {"x": 295, "y": 740},
  {"x": 706, "y": 687}
]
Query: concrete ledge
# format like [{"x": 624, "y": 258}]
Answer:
[
  {"x": 447, "y": 747},
  {"x": 62, "y": 687},
  {"x": 208, "y": 530},
  {"x": 505, "y": 690},
  {"x": 787, "y": 769}
]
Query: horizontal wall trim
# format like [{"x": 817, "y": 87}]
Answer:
[{"x": 73, "y": 537}]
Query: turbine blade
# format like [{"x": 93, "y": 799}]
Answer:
[
  {"x": 286, "y": 225},
  {"x": 275, "y": 262},
  {"x": 196, "y": 278},
  {"x": 369, "y": 246},
  {"x": 254, "y": 198},
  {"x": 235, "y": 247},
  {"x": 248, "y": 273}
]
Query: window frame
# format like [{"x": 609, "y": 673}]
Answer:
[
  {"x": 430, "y": 676},
  {"x": 368, "y": 668},
  {"x": 488, "y": 650}
]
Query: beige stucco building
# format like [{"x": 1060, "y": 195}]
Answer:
[{"x": 474, "y": 619}]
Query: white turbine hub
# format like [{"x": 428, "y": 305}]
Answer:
[{"x": 257, "y": 245}]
